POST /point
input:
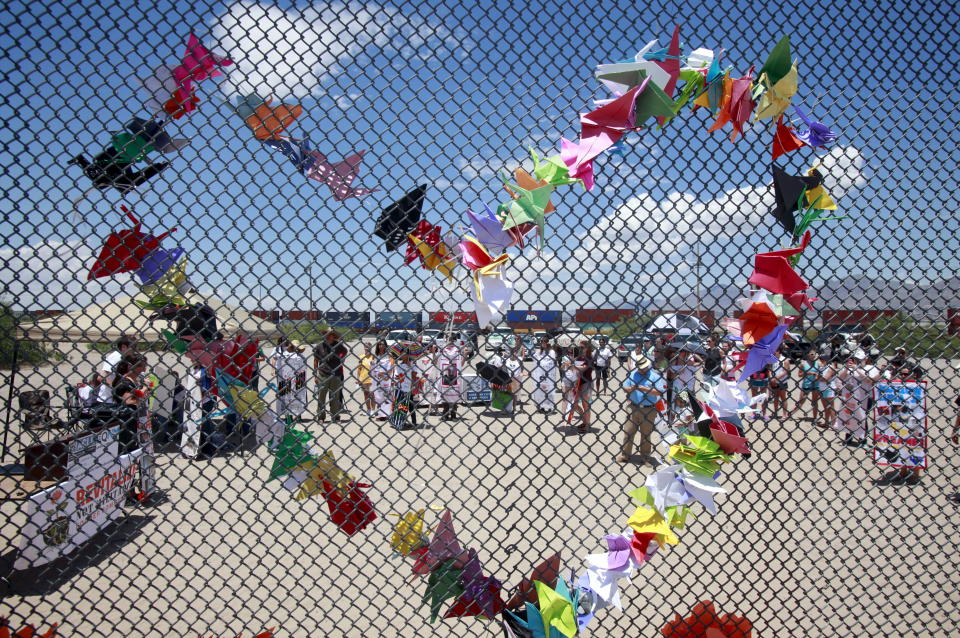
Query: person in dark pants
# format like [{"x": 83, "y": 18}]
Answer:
[
  {"x": 328, "y": 357},
  {"x": 712, "y": 361}
]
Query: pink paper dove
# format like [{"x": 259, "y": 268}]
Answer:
[
  {"x": 443, "y": 545},
  {"x": 198, "y": 64},
  {"x": 339, "y": 175}
]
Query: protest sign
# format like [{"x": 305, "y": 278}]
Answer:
[{"x": 900, "y": 424}]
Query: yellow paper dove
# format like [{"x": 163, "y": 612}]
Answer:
[
  {"x": 408, "y": 533},
  {"x": 775, "y": 99},
  {"x": 649, "y": 521}
]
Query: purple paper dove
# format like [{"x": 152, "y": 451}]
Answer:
[
  {"x": 339, "y": 175},
  {"x": 763, "y": 352},
  {"x": 817, "y": 133},
  {"x": 489, "y": 230}
]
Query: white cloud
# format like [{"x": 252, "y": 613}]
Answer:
[
  {"x": 646, "y": 230},
  {"x": 53, "y": 275},
  {"x": 291, "y": 53}
]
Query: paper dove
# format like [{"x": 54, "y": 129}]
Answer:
[
  {"x": 737, "y": 104},
  {"x": 785, "y": 139},
  {"x": 602, "y": 127},
  {"x": 622, "y": 76},
  {"x": 427, "y": 233},
  {"x": 492, "y": 289},
  {"x": 529, "y": 207},
  {"x": 649, "y": 521},
  {"x": 267, "y": 122},
  {"x": 125, "y": 250},
  {"x": 777, "y": 83},
  {"x": 398, "y": 219},
  {"x": 763, "y": 353},
  {"x": 711, "y": 97},
  {"x": 557, "y": 608},
  {"x": 552, "y": 170},
  {"x": 297, "y": 151},
  {"x": 339, "y": 175},
  {"x": 817, "y": 133},
  {"x": 481, "y": 594},
  {"x": 727, "y": 434},
  {"x": 198, "y": 64},
  {"x": 698, "y": 455},
  {"x": 489, "y": 230}
]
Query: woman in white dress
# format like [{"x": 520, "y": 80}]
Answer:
[
  {"x": 429, "y": 374},
  {"x": 382, "y": 374},
  {"x": 544, "y": 377},
  {"x": 450, "y": 365}
]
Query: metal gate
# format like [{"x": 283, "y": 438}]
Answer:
[{"x": 318, "y": 161}]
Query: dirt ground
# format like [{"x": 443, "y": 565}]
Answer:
[{"x": 805, "y": 544}]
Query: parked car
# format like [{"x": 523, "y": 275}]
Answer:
[
  {"x": 396, "y": 336},
  {"x": 619, "y": 348},
  {"x": 497, "y": 339},
  {"x": 629, "y": 344},
  {"x": 433, "y": 336}
]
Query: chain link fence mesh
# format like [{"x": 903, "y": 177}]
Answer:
[{"x": 808, "y": 541}]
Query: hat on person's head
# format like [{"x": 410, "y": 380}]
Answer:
[
  {"x": 901, "y": 349},
  {"x": 643, "y": 362},
  {"x": 296, "y": 343}
]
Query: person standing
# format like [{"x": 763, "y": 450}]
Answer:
[
  {"x": 382, "y": 373},
  {"x": 544, "y": 376},
  {"x": 291, "y": 381},
  {"x": 429, "y": 376},
  {"x": 602, "y": 362},
  {"x": 644, "y": 387},
  {"x": 107, "y": 369},
  {"x": 405, "y": 380},
  {"x": 712, "y": 362},
  {"x": 683, "y": 373},
  {"x": 809, "y": 371},
  {"x": 365, "y": 380},
  {"x": 136, "y": 431},
  {"x": 583, "y": 389},
  {"x": 825, "y": 387},
  {"x": 328, "y": 356},
  {"x": 450, "y": 366},
  {"x": 779, "y": 381},
  {"x": 854, "y": 389}
]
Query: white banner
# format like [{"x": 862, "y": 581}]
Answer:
[{"x": 62, "y": 517}]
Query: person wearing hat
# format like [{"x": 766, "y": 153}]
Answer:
[
  {"x": 897, "y": 363},
  {"x": 328, "y": 356},
  {"x": 644, "y": 387}
]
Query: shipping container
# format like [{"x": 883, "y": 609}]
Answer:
[
  {"x": 356, "y": 320},
  {"x": 398, "y": 321},
  {"x": 602, "y": 315},
  {"x": 534, "y": 316},
  {"x": 853, "y": 317},
  {"x": 706, "y": 316},
  {"x": 459, "y": 317}
]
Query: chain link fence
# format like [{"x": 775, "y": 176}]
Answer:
[{"x": 149, "y": 495}]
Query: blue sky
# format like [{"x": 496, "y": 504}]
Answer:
[{"x": 447, "y": 96}]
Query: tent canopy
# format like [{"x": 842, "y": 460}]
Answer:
[
  {"x": 106, "y": 322},
  {"x": 674, "y": 322}
]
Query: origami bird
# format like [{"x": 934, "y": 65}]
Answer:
[
  {"x": 481, "y": 594},
  {"x": 125, "y": 250},
  {"x": 737, "y": 104},
  {"x": 400, "y": 218},
  {"x": 817, "y": 133},
  {"x": 198, "y": 64},
  {"x": 408, "y": 533},
  {"x": 297, "y": 151},
  {"x": 704, "y": 622},
  {"x": 339, "y": 175},
  {"x": 267, "y": 122},
  {"x": 777, "y": 83},
  {"x": 785, "y": 139}
]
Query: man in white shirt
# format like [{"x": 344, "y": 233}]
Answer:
[
  {"x": 602, "y": 360},
  {"x": 107, "y": 367}
]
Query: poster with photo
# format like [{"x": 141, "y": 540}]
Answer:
[{"x": 900, "y": 424}]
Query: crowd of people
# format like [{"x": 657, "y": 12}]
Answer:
[{"x": 832, "y": 385}]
